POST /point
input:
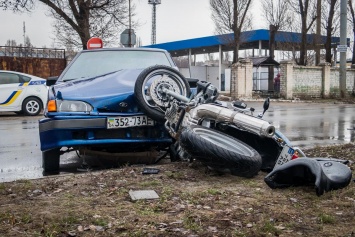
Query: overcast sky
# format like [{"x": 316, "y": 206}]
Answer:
[{"x": 176, "y": 20}]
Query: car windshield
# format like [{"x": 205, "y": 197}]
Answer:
[{"x": 95, "y": 63}]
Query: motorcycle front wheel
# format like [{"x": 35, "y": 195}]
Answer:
[
  {"x": 220, "y": 151},
  {"x": 149, "y": 87}
]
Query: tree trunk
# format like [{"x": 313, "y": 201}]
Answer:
[
  {"x": 272, "y": 29},
  {"x": 303, "y": 48},
  {"x": 237, "y": 45},
  {"x": 328, "y": 43},
  {"x": 328, "y": 47}
]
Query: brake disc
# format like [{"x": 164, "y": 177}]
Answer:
[{"x": 156, "y": 90}]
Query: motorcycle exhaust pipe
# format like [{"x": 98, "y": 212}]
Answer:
[{"x": 220, "y": 114}]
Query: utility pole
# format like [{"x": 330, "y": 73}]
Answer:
[
  {"x": 154, "y": 15},
  {"x": 343, "y": 43},
  {"x": 318, "y": 31},
  {"x": 130, "y": 25},
  {"x": 24, "y": 34}
]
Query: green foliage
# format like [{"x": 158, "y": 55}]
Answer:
[
  {"x": 191, "y": 222},
  {"x": 269, "y": 227},
  {"x": 326, "y": 219}
]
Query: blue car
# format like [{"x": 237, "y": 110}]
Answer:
[{"x": 92, "y": 107}]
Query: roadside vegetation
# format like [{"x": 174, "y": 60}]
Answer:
[{"x": 193, "y": 201}]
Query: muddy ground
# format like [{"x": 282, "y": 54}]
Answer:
[{"x": 192, "y": 202}]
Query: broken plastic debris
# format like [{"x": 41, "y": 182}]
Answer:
[{"x": 150, "y": 171}]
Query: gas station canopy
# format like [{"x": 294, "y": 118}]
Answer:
[{"x": 255, "y": 39}]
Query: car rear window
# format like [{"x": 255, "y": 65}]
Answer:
[{"x": 94, "y": 63}]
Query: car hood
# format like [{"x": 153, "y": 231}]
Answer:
[{"x": 111, "y": 92}]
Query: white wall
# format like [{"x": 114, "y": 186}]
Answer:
[{"x": 208, "y": 73}]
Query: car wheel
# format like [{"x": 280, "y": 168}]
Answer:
[
  {"x": 50, "y": 161},
  {"x": 31, "y": 106}
]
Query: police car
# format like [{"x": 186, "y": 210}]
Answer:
[{"x": 22, "y": 93}]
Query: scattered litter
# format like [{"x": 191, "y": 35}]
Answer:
[
  {"x": 143, "y": 194},
  {"x": 84, "y": 167},
  {"x": 58, "y": 190},
  {"x": 37, "y": 191},
  {"x": 293, "y": 200},
  {"x": 150, "y": 171},
  {"x": 280, "y": 227}
]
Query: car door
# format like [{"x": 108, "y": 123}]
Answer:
[{"x": 11, "y": 88}]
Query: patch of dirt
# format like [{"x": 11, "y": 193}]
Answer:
[{"x": 193, "y": 201}]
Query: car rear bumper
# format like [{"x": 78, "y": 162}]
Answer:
[{"x": 82, "y": 131}]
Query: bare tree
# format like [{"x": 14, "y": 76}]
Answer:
[
  {"x": 307, "y": 12},
  {"x": 352, "y": 20},
  {"x": 231, "y": 16},
  {"x": 76, "y": 21},
  {"x": 330, "y": 15},
  {"x": 11, "y": 43},
  {"x": 277, "y": 14}
]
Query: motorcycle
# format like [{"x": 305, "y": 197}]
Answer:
[{"x": 224, "y": 136}]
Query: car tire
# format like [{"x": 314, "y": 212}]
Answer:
[
  {"x": 50, "y": 161},
  {"x": 155, "y": 104},
  {"x": 31, "y": 106},
  {"x": 220, "y": 151}
]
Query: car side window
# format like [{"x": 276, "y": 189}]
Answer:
[
  {"x": 9, "y": 78},
  {"x": 25, "y": 79}
]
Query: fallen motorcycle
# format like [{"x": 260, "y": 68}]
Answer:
[{"x": 224, "y": 136}]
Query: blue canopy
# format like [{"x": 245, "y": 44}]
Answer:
[{"x": 249, "y": 40}]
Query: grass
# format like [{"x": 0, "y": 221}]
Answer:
[
  {"x": 269, "y": 228},
  {"x": 326, "y": 218},
  {"x": 191, "y": 202},
  {"x": 191, "y": 222}
]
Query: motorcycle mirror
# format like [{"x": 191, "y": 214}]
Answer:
[
  {"x": 266, "y": 104},
  {"x": 240, "y": 104}
]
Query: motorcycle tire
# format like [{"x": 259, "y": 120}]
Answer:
[
  {"x": 220, "y": 151},
  {"x": 147, "y": 89}
]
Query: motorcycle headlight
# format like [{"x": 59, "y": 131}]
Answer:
[{"x": 72, "y": 106}]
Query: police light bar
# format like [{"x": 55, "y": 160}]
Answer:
[{"x": 94, "y": 43}]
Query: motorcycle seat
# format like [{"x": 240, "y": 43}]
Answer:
[{"x": 325, "y": 174}]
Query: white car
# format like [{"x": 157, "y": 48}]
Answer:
[{"x": 22, "y": 93}]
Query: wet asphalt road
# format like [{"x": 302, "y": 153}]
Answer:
[{"x": 305, "y": 125}]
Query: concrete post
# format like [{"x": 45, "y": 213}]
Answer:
[
  {"x": 286, "y": 79},
  {"x": 248, "y": 78},
  {"x": 234, "y": 81},
  {"x": 242, "y": 79},
  {"x": 325, "y": 79}
]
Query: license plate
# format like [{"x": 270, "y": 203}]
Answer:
[
  {"x": 285, "y": 156},
  {"x": 129, "y": 121}
]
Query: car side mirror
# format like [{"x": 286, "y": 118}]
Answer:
[{"x": 51, "y": 80}]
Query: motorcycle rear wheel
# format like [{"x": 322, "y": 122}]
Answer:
[
  {"x": 149, "y": 86},
  {"x": 220, "y": 151}
]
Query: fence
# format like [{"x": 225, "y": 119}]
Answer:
[
  {"x": 31, "y": 52},
  {"x": 41, "y": 62},
  {"x": 296, "y": 81}
]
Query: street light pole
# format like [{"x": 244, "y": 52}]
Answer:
[
  {"x": 129, "y": 18},
  {"x": 342, "y": 71}
]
